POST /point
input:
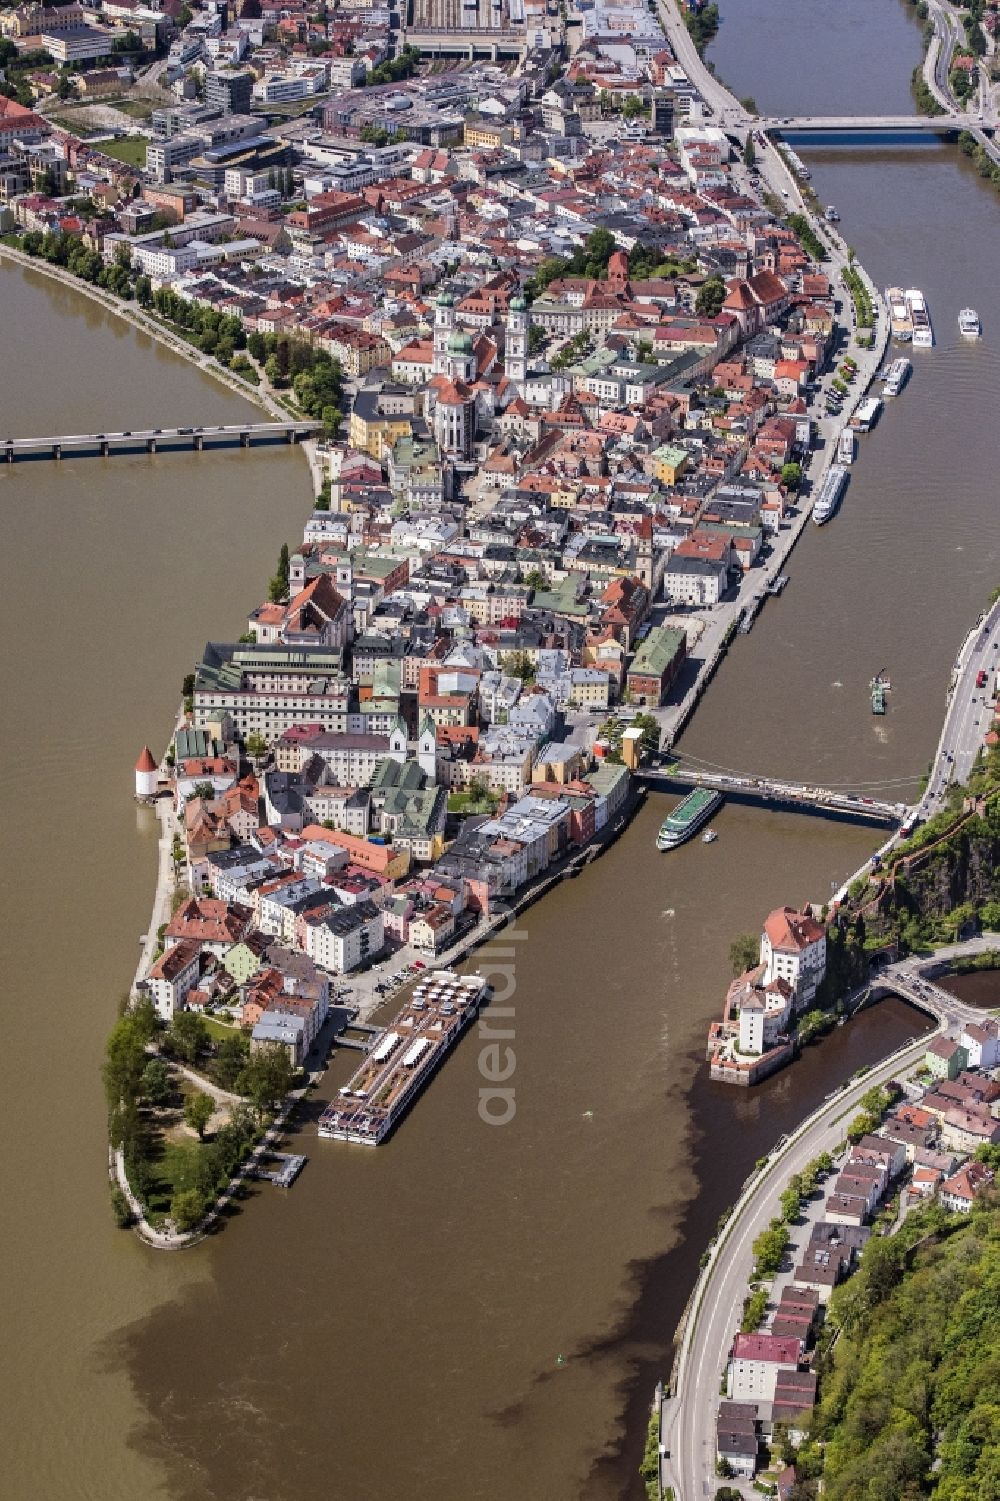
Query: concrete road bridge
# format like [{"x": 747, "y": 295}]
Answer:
[
  {"x": 153, "y": 440},
  {"x": 867, "y": 124}
]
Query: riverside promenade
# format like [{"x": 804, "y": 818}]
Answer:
[
  {"x": 727, "y": 113},
  {"x": 147, "y": 324}
]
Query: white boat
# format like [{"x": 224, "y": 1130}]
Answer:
[
  {"x": 830, "y": 492},
  {"x": 831, "y": 216},
  {"x": 866, "y": 416},
  {"x": 923, "y": 334},
  {"x": 969, "y": 325},
  {"x": 896, "y": 377},
  {"x": 845, "y": 446},
  {"x": 687, "y": 818},
  {"x": 899, "y": 314},
  {"x": 709, "y": 836}
]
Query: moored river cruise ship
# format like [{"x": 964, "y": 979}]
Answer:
[
  {"x": 896, "y": 377},
  {"x": 830, "y": 492},
  {"x": 688, "y": 817},
  {"x": 899, "y": 314},
  {"x": 404, "y": 1056},
  {"x": 923, "y": 334}
]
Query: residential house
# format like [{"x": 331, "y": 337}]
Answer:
[{"x": 173, "y": 977}]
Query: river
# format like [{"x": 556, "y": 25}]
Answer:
[{"x": 470, "y": 1312}]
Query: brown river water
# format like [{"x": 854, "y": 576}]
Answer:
[{"x": 471, "y": 1311}]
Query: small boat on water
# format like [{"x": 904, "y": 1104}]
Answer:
[
  {"x": 709, "y": 836},
  {"x": 845, "y": 446},
  {"x": 831, "y": 216},
  {"x": 969, "y": 325},
  {"x": 879, "y": 689}
]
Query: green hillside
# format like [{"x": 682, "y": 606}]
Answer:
[{"x": 910, "y": 1386}]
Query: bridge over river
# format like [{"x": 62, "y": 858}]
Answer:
[
  {"x": 867, "y": 124},
  {"x": 152, "y": 440},
  {"x": 796, "y": 796}
]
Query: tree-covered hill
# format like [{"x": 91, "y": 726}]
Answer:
[{"x": 910, "y": 1387}]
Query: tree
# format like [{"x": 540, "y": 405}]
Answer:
[
  {"x": 791, "y": 476},
  {"x": 535, "y": 579},
  {"x": 517, "y": 664},
  {"x": 536, "y": 338},
  {"x": 156, "y": 1082},
  {"x": 230, "y": 1059},
  {"x": 120, "y": 1208},
  {"x": 711, "y": 296},
  {"x": 266, "y": 1077},
  {"x": 769, "y": 1249},
  {"x": 744, "y": 953},
  {"x": 283, "y": 563},
  {"x": 188, "y": 1036},
  {"x": 124, "y": 1064},
  {"x": 791, "y": 1205},
  {"x": 272, "y": 370},
  {"x": 256, "y": 746},
  {"x": 186, "y": 1208},
  {"x": 198, "y": 1111},
  {"x": 632, "y": 107},
  {"x": 749, "y": 151}
]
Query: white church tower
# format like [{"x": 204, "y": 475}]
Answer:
[
  {"x": 515, "y": 360},
  {"x": 444, "y": 323},
  {"x": 427, "y": 750}
]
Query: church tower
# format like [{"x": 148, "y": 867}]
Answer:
[
  {"x": 444, "y": 323},
  {"x": 516, "y": 347},
  {"x": 427, "y": 750}
]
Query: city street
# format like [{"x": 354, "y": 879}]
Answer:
[{"x": 970, "y": 712}]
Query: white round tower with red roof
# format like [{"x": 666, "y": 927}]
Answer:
[{"x": 146, "y": 774}]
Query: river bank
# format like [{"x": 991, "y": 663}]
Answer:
[{"x": 129, "y": 313}]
